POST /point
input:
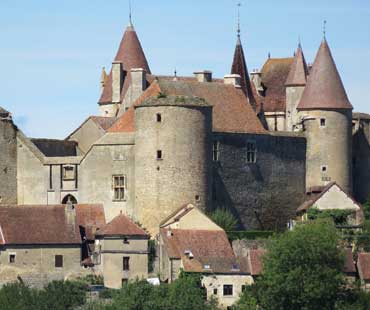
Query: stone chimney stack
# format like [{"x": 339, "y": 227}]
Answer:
[
  {"x": 232, "y": 79},
  {"x": 138, "y": 82},
  {"x": 117, "y": 81},
  {"x": 256, "y": 77},
  {"x": 203, "y": 76},
  {"x": 70, "y": 214}
]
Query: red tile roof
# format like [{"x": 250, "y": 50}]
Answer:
[
  {"x": 298, "y": 70},
  {"x": 275, "y": 72},
  {"x": 231, "y": 110},
  {"x": 121, "y": 225},
  {"x": 255, "y": 261},
  {"x": 130, "y": 53},
  {"x": 37, "y": 224},
  {"x": 363, "y": 265},
  {"x": 239, "y": 66},
  {"x": 324, "y": 89}
]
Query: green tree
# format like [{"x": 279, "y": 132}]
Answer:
[
  {"x": 225, "y": 219},
  {"x": 302, "y": 269},
  {"x": 17, "y": 296}
]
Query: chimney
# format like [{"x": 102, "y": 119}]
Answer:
[
  {"x": 203, "y": 76},
  {"x": 117, "y": 81},
  {"x": 103, "y": 78},
  {"x": 138, "y": 82},
  {"x": 257, "y": 80},
  {"x": 232, "y": 79}
]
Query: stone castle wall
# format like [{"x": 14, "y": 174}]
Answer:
[
  {"x": 8, "y": 162},
  {"x": 264, "y": 194}
]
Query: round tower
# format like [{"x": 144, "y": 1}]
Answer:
[
  {"x": 326, "y": 115},
  {"x": 173, "y": 164}
]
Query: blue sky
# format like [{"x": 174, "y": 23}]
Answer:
[{"x": 51, "y": 52}]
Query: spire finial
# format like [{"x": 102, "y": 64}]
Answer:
[
  {"x": 324, "y": 29},
  {"x": 238, "y": 29},
  {"x": 299, "y": 42},
  {"x": 175, "y": 74},
  {"x": 129, "y": 7}
]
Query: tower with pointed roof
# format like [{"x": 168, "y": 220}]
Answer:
[
  {"x": 130, "y": 57},
  {"x": 294, "y": 87},
  {"x": 326, "y": 115}
]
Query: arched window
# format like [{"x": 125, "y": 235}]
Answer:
[{"x": 69, "y": 198}]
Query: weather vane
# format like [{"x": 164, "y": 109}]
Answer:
[
  {"x": 324, "y": 29},
  {"x": 239, "y": 5},
  {"x": 129, "y": 7}
]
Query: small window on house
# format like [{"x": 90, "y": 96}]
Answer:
[
  {"x": 215, "y": 291},
  {"x": 58, "y": 261},
  {"x": 197, "y": 198},
  {"x": 159, "y": 117},
  {"x": 324, "y": 168},
  {"x": 125, "y": 240},
  {"x": 68, "y": 173},
  {"x": 12, "y": 258},
  {"x": 119, "y": 187},
  {"x": 251, "y": 152},
  {"x": 126, "y": 263},
  {"x": 322, "y": 122},
  {"x": 159, "y": 154},
  {"x": 216, "y": 151},
  {"x": 228, "y": 290}
]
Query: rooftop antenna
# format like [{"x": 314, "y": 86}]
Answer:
[
  {"x": 129, "y": 7},
  {"x": 324, "y": 29},
  {"x": 238, "y": 28}
]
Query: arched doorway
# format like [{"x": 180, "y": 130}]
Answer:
[{"x": 69, "y": 198}]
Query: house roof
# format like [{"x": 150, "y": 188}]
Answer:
[
  {"x": 55, "y": 148},
  {"x": 239, "y": 66},
  {"x": 231, "y": 110},
  {"x": 130, "y": 53},
  {"x": 324, "y": 89},
  {"x": 91, "y": 217},
  {"x": 274, "y": 74},
  {"x": 363, "y": 265},
  {"x": 298, "y": 70},
  {"x": 309, "y": 203},
  {"x": 121, "y": 225},
  {"x": 103, "y": 121},
  {"x": 207, "y": 247},
  {"x": 255, "y": 261},
  {"x": 37, "y": 224}
]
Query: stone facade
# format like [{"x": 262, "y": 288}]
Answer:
[
  {"x": 262, "y": 194},
  {"x": 8, "y": 161}
]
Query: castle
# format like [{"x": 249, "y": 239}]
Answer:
[{"x": 256, "y": 143}]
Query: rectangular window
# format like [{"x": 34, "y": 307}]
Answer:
[
  {"x": 126, "y": 263},
  {"x": 216, "y": 150},
  {"x": 159, "y": 117},
  {"x": 159, "y": 154},
  {"x": 12, "y": 258},
  {"x": 58, "y": 261},
  {"x": 322, "y": 122},
  {"x": 324, "y": 168},
  {"x": 251, "y": 152},
  {"x": 215, "y": 291},
  {"x": 68, "y": 173},
  {"x": 119, "y": 187},
  {"x": 228, "y": 290}
]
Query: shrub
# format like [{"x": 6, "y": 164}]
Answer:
[{"x": 225, "y": 219}]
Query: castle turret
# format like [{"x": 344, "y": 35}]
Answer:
[
  {"x": 294, "y": 87},
  {"x": 239, "y": 67},
  {"x": 130, "y": 55},
  {"x": 173, "y": 149},
  {"x": 326, "y": 115},
  {"x": 8, "y": 159}
]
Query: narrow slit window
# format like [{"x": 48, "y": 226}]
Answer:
[
  {"x": 216, "y": 151},
  {"x": 11, "y": 258},
  {"x": 58, "y": 261},
  {"x": 322, "y": 122},
  {"x": 159, "y": 154},
  {"x": 126, "y": 263},
  {"x": 159, "y": 117}
]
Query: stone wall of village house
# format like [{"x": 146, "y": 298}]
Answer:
[
  {"x": 214, "y": 285},
  {"x": 35, "y": 264},
  {"x": 97, "y": 169},
  {"x": 32, "y": 177},
  {"x": 8, "y": 162},
  {"x": 183, "y": 174},
  {"x": 264, "y": 194},
  {"x": 87, "y": 135},
  {"x": 112, "y": 253}
]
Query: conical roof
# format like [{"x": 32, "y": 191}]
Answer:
[
  {"x": 130, "y": 53},
  {"x": 324, "y": 89},
  {"x": 298, "y": 70},
  {"x": 239, "y": 66}
]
